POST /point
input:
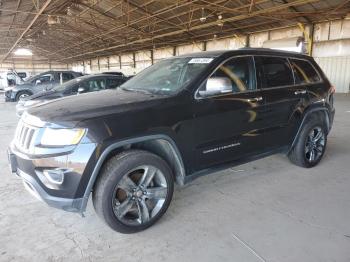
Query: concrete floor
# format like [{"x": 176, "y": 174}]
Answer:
[{"x": 267, "y": 210}]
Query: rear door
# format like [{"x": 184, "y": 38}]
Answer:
[
  {"x": 228, "y": 126},
  {"x": 282, "y": 98}
]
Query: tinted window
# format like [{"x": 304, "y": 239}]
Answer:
[
  {"x": 237, "y": 74},
  {"x": 304, "y": 72},
  {"x": 67, "y": 76},
  {"x": 114, "y": 82},
  {"x": 93, "y": 85},
  {"x": 275, "y": 71},
  {"x": 44, "y": 79}
]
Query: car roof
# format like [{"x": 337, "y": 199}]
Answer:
[
  {"x": 246, "y": 51},
  {"x": 97, "y": 75}
]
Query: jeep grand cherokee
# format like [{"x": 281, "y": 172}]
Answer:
[{"x": 179, "y": 119}]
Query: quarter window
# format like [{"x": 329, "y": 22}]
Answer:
[
  {"x": 304, "y": 72},
  {"x": 275, "y": 72}
]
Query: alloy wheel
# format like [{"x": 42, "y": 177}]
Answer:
[
  {"x": 315, "y": 144},
  {"x": 139, "y": 195},
  {"x": 23, "y": 96}
]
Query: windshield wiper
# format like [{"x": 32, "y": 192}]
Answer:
[{"x": 136, "y": 90}]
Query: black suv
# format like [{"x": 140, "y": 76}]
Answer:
[{"x": 179, "y": 119}]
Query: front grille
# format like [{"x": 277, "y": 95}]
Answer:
[{"x": 25, "y": 136}]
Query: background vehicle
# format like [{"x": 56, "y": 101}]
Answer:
[
  {"x": 41, "y": 82},
  {"x": 79, "y": 85},
  {"x": 178, "y": 119},
  {"x": 10, "y": 78}
]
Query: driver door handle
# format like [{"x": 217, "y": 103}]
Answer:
[
  {"x": 255, "y": 99},
  {"x": 300, "y": 92}
]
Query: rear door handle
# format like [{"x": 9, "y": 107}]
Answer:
[
  {"x": 255, "y": 99},
  {"x": 300, "y": 92}
]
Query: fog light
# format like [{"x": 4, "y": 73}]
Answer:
[{"x": 55, "y": 176}]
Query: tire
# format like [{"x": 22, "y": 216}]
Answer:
[
  {"x": 301, "y": 152},
  {"x": 114, "y": 193},
  {"x": 22, "y": 94}
]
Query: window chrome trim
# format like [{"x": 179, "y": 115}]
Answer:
[
  {"x": 294, "y": 85},
  {"x": 317, "y": 72},
  {"x": 196, "y": 94}
]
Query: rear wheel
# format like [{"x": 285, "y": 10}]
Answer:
[
  {"x": 133, "y": 191},
  {"x": 311, "y": 144}
]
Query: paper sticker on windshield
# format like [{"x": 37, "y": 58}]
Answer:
[{"x": 200, "y": 60}]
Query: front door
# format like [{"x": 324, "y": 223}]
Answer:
[{"x": 227, "y": 119}]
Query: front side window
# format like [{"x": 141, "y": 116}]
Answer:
[
  {"x": 44, "y": 79},
  {"x": 234, "y": 76},
  {"x": 304, "y": 72},
  {"x": 167, "y": 76},
  {"x": 93, "y": 85},
  {"x": 274, "y": 72}
]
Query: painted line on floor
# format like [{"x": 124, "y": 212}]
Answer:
[{"x": 249, "y": 247}]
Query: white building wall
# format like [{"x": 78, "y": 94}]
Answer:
[
  {"x": 161, "y": 53},
  {"x": 186, "y": 49},
  {"x": 226, "y": 44},
  {"x": 143, "y": 60},
  {"x": 337, "y": 70}
]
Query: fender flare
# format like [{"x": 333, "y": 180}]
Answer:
[
  {"x": 122, "y": 143},
  {"x": 305, "y": 116}
]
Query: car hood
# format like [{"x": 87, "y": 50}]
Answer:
[
  {"x": 45, "y": 95},
  {"x": 70, "y": 110},
  {"x": 23, "y": 86}
]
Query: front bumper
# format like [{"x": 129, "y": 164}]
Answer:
[
  {"x": 9, "y": 96},
  {"x": 68, "y": 195}
]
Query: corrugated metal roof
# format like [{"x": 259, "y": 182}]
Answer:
[{"x": 82, "y": 29}]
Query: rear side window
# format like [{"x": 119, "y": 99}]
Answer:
[
  {"x": 304, "y": 72},
  {"x": 67, "y": 76},
  {"x": 114, "y": 82},
  {"x": 274, "y": 72}
]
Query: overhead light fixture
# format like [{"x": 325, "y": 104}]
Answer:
[
  {"x": 219, "y": 21},
  {"x": 203, "y": 18},
  {"x": 23, "y": 52}
]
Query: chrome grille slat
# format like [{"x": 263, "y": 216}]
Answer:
[{"x": 25, "y": 136}]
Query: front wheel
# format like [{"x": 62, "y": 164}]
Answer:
[
  {"x": 22, "y": 95},
  {"x": 311, "y": 144},
  {"x": 133, "y": 191}
]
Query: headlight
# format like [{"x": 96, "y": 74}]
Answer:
[{"x": 62, "y": 137}]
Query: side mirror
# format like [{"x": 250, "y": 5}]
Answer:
[
  {"x": 38, "y": 82},
  {"x": 81, "y": 90},
  {"x": 216, "y": 86}
]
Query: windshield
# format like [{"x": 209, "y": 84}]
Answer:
[{"x": 167, "y": 76}]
